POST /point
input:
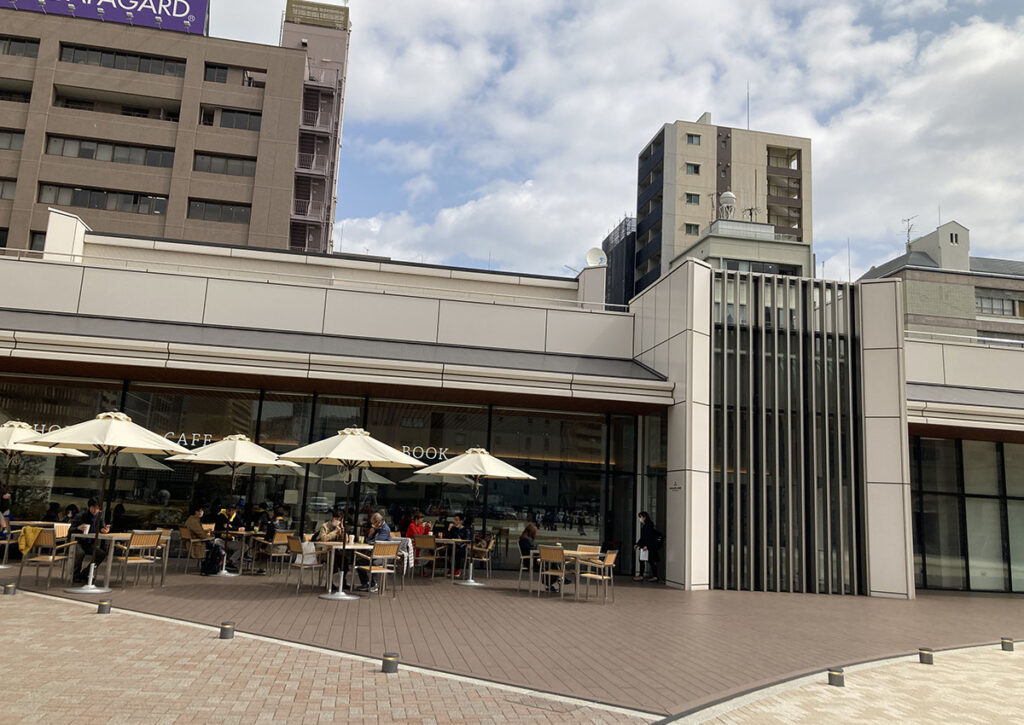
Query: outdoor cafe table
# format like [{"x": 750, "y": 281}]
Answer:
[
  {"x": 246, "y": 536},
  {"x": 569, "y": 554},
  {"x": 331, "y": 546},
  {"x": 112, "y": 539},
  {"x": 454, "y": 544}
]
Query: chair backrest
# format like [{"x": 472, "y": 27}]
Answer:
[
  {"x": 46, "y": 539},
  {"x": 589, "y": 549},
  {"x": 145, "y": 539},
  {"x": 281, "y": 537},
  {"x": 184, "y": 533},
  {"x": 61, "y": 530},
  {"x": 609, "y": 558},
  {"x": 396, "y": 535},
  {"x": 209, "y": 527},
  {"x": 552, "y": 553},
  {"x": 385, "y": 549},
  {"x": 421, "y": 541},
  {"x": 294, "y": 545}
]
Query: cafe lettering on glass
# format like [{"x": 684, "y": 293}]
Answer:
[
  {"x": 429, "y": 453},
  {"x": 189, "y": 440},
  {"x": 165, "y": 14}
]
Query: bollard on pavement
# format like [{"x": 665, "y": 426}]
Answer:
[
  {"x": 1006, "y": 642},
  {"x": 10, "y": 589},
  {"x": 104, "y": 607},
  {"x": 835, "y": 677},
  {"x": 926, "y": 656},
  {"x": 227, "y": 630},
  {"x": 389, "y": 663}
]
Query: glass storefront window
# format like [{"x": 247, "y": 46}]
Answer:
[
  {"x": 981, "y": 468},
  {"x": 1013, "y": 460},
  {"x": 555, "y": 439},
  {"x": 48, "y": 404},
  {"x": 192, "y": 417},
  {"x": 985, "y": 544},
  {"x": 284, "y": 425},
  {"x": 943, "y": 551},
  {"x": 326, "y": 488},
  {"x": 1015, "y": 521},
  {"x": 938, "y": 465}
]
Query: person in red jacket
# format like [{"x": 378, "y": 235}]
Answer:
[{"x": 418, "y": 528}]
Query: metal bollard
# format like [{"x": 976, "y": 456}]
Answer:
[
  {"x": 10, "y": 589},
  {"x": 104, "y": 607},
  {"x": 835, "y": 677},
  {"x": 389, "y": 663},
  {"x": 227, "y": 630},
  {"x": 926, "y": 656},
  {"x": 1006, "y": 642}
]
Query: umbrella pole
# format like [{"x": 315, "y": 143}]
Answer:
[
  {"x": 106, "y": 465},
  {"x": 469, "y": 547},
  {"x": 341, "y": 595},
  {"x": 224, "y": 562}
]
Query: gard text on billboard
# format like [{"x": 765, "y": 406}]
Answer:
[{"x": 184, "y": 16}]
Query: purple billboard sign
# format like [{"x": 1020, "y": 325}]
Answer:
[{"x": 184, "y": 16}]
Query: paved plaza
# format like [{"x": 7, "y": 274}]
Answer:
[{"x": 654, "y": 652}]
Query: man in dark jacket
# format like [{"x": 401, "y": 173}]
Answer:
[
  {"x": 457, "y": 529},
  {"x": 229, "y": 520},
  {"x": 378, "y": 531},
  {"x": 88, "y": 521},
  {"x": 649, "y": 546}
]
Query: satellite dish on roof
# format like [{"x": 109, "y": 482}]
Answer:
[{"x": 596, "y": 257}]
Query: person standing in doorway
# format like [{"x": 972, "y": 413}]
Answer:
[{"x": 649, "y": 547}]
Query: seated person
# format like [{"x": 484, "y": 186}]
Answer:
[
  {"x": 229, "y": 520},
  {"x": 378, "y": 531},
  {"x": 53, "y": 513},
  {"x": 194, "y": 523},
  {"x": 70, "y": 512},
  {"x": 333, "y": 529},
  {"x": 417, "y": 527},
  {"x": 278, "y": 521},
  {"x": 458, "y": 529},
  {"x": 88, "y": 521}
]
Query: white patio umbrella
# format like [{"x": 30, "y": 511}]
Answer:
[
  {"x": 108, "y": 434},
  {"x": 365, "y": 476},
  {"x": 235, "y": 452},
  {"x": 350, "y": 449},
  {"x": 129, "y": 460},
  {"x": 12, "y": 435},
  {"x": 475, "y": 465},
  {"x": 279, "y": 470}
]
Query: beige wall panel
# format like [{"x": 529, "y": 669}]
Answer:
[
  {"x": 882, "y": 389},
  {"x": 104, "y": 175},
  {"x": 924, "y": 361},
  {"x": 679, "y": 300},
  {"x": 222, "y": 232},
  {"x": 879, "y": 303},
  {"x": 388, "y": 317},
  {"x": 233, "y": 142},
  {"x": 662, "y": 311},
  {"x": 482, "y": 325},
  {"x": 700, "y": 437},
  {"x": 106, "y": 127},
  {"x": 886, "y": 516},
  {"x": 984, "y": 367},
  {"x": 648, "y": 313},
  {"x": 883, "y": 450},
  {"x": 589, "y": 333},
  {"x": 145, "y": 295},
  {"x": 700, "y": 369},
  {"x": 221, "y": 187},
  {"x": 678, "y": 365},
  {"x": 276, "y": 307},
  {"x": 38, "y": 286}
]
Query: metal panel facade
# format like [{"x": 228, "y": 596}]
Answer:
[{"x": 786, "y": 444}]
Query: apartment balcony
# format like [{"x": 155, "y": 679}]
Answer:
[
  {"x": 310, "y": 210},
  {"x": 317, "y": 121},
  {"x": 313, "y": 164},
  {"x": 656, "y": 186},
  {"x": 325, "y": 78}
]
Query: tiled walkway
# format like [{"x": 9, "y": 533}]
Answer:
[
  {"x": 977, "y": 685},
  {"x": 66, "y": 664},
  {"x": 654, "y": 649}
]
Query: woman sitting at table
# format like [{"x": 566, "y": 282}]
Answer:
[{"x": 457, "y": 529}]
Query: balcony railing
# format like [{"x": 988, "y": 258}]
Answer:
[
  {"x": 312, "y": 162},
  {"x": 309, "y": 209},
  {"x": 327, "y": 77},
  {"x": 315, "y": 119}
]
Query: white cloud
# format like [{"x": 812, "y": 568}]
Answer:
[
  {"x": 405, "y": 156},
  {"x": 419, "y": 186}
]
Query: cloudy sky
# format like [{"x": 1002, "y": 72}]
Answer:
[{"x": 505, "y": 134}]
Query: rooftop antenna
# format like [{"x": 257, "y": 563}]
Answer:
[
  {"x": 849, "y": 274},
  {"x": 748, "y": 105},
  {"x": 572, "y": 269},
  {"x": 751, "y": 211},
  {"x": 909, "y": 227}
]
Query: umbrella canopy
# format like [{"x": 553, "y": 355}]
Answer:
[
  {"x": 13, "y": 435},
  {"x": 475, "y": 464},
  {"x": 365, "y": 476},
  {"x": 352, "y": 448},
  {"x": 126, "y": 460},
  {"x": 109, "y": 434},
  {"x": 234, "y": 451},
  {"x": 429, "y": 478},
  {"x": 276, "y": 470}
]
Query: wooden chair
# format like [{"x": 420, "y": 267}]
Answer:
[
  {"x": 552, "y": 568},
  {"x": 11, "y": 540},
  {"x": 601, "y": 572},
  {"x": 195, "y": 549},
  {"x": 427, "y": 552},
  {"x": 379, "y": 562},
  {"x": 48, "y": 553},
  {"x": 527, "y": 563},
  {"x": 61, "y": 530},
  {"x": 483, "y": 552},
  {"x": 301, "y": 562},
  {"x": 142, "y": 550},
  {"x": 277, "y": 548}
]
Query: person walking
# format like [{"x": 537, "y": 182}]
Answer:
[{"x": 649, "y": 547}]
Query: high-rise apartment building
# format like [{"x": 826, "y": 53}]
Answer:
[
  {"x": 682, "y": 176},
  {"x": 173, "y": 135}
]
